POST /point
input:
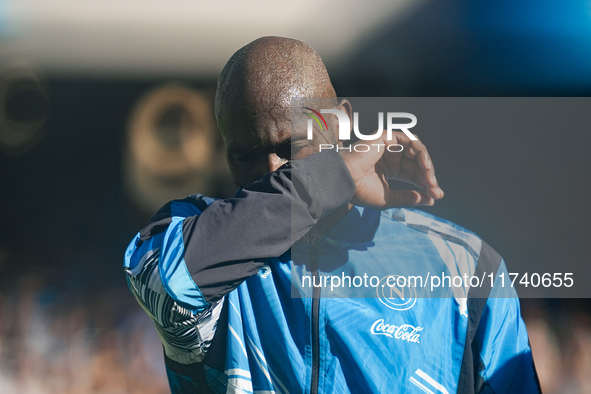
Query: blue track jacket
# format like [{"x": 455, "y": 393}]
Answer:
[{"x": 246, "y": 298}]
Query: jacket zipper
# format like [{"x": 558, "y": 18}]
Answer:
[{"x": 315, "y": 321}]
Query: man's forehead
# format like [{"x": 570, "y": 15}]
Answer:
[
  {"x": 256, "y": 146},
  {"x": 256, "y": 125}
]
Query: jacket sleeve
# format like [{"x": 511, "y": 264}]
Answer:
[
  {"x": 505, "y": 356},
  {"x": 181, "y": 265},
  {"x": 205, "y": 251},
  {"x": 230, "y": 240},
  {"x": 497, "y": 355}
]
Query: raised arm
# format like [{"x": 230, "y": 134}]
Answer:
[
  {"x": 194, "y": 251},
  {"x": 230, "y": 240}
]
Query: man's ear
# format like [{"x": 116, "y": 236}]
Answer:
[{"x": 345, "y": 106}]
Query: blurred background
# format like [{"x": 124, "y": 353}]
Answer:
[{"x": 106, "y": 113}]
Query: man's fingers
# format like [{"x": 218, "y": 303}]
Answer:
[
  {"x": 412, "y": 178},
  {"x": 426, "y": 173},
  {"x": 408, "y": 198},
  {"x": 371, "y": 168},
  {"x": 419, "y": 152},
  {"x": 417, "y": 175},
  {"x": 413, "y": 165}
]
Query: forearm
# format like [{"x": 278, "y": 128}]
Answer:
[{"x": 232, "y": 238}]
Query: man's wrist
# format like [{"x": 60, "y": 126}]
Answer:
[{"x": 330, "y": 180}]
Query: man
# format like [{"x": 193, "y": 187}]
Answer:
[{"x": 216, "y": 276}]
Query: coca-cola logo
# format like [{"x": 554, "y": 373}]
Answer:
[{"x": 403, "y": 332}]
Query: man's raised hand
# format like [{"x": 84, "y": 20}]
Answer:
[{"x": 371, "y": 171}]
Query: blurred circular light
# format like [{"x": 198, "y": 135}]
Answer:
[{"x": 24, "y": 106}]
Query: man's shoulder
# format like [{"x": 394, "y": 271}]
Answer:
[
  {"x": 428, "y": 223},
  {"x": 181, "y": 208},
  {"x": 434, "y": 227},
  {"x": 185, "y": 207}
]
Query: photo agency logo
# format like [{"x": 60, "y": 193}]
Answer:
[{"x": 392, "y": 119}]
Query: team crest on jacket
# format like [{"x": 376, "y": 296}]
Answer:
[{"x": 396, "y": 292}]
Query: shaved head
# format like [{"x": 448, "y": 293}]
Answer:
[
  {"x": 266, "y": 74},
  {"x": 253, "y": 97}
]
